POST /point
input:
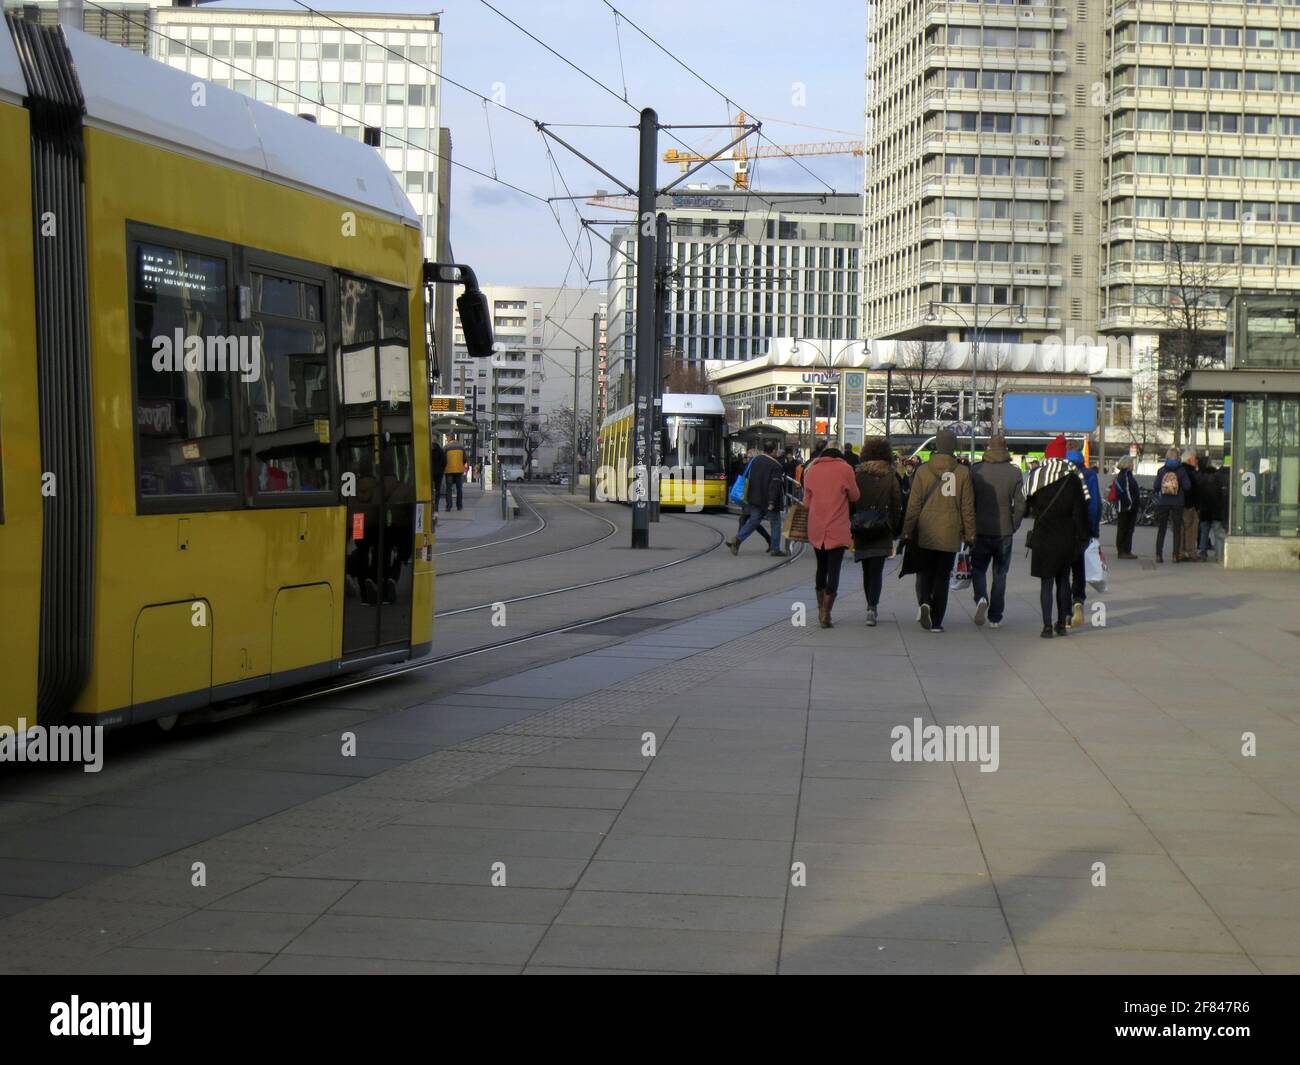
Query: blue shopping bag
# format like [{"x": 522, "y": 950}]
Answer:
[{"x": 736, "y": 496}]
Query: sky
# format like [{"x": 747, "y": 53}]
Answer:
[{"x": 789, "y": 63}]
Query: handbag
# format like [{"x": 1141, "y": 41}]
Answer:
[
  {"x": 909, "y": 549},
  {"x": 736, "y": 496},
  {"x": 870, "y": 523}
]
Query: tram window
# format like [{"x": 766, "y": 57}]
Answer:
[
  {"x": 289, "y": 400},
  {"x": 184, "y": 408}
]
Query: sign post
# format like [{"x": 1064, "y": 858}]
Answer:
[{"x": 1059, "y": 410}]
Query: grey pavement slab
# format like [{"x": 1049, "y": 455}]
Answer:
[{"x": 774, "y": 746}]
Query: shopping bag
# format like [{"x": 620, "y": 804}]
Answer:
[
  {"x": 795, "y": 526},
  {"x": 1094, "y": 565},
  {"x": 736, "y": 497},
  {"x": 961, "y": 569}
]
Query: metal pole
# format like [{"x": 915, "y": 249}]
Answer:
[
  {"x": 661, "y": 317},
  {"x": 593, "y": 441},
  {"x": 647, "y": 388},
  {"x": 889, "y": 387},
  {"x": 573, "y": 466},
  {"x": 974, "y": 383}
]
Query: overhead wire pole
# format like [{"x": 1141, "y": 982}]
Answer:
[
  {"x": 647, "y": 388},
  {"x": 593, "y": 441},
  {"x": 573, "y": 464},
  {"x": 661, "y": 309}
]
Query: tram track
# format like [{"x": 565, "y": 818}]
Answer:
[
  {"x": 556, "y": 630},
  {"x": 613, "y": 528}
]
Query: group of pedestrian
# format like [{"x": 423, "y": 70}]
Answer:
[{"x": 1191, "y": 498}]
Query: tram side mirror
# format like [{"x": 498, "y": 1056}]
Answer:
[
  {"x": 471, "y": 305},
  {"x": 476, "y": 323}
]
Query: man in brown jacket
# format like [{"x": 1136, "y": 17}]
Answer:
[{"x": 940, "y": 517}]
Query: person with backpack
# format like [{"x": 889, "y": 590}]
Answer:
[
  {"x": 877, "y": 518},
  {"x": 829, "y": 486},
  {"x": 1126, "y": 495},
  {"x": 940, "y": 517},
  {"x": 1078, "y": 568},
  {"x": 455, "y": 472},
  {"x": 1170, "y": 488},
  {"x": 764, "y": 499},
  {"x": 1058, "y": 503},
  {"x": 999, "y": 508}
]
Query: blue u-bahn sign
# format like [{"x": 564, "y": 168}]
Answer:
[{"x": 1056, "y": 412}]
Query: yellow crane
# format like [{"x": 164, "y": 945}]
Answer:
[{"x": 740, "y": 155}]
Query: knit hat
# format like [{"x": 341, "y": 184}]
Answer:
[
  {"x": 1056, "y": 449},
  {"x": 945, "y": 443}
]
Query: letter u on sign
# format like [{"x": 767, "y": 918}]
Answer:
[{"x": 1049, "y": 405}]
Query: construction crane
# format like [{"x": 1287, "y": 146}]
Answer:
[{"x": 740, "y": 155}]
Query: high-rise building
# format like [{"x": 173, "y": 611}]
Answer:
[
  {"x": 744, "y": 268},
  {"x": 536, "y": 329},
  {"x": 1112, "y": 170}
]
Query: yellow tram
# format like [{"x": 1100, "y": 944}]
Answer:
[
  {"x": 692, "y": 470},
  {"x": 213, "y": 479}
]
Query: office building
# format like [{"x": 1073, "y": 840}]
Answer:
[
  {"x": 745, "y": 269},
  {"x": 537, "y": 330}
]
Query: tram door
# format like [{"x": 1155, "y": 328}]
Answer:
[{"x": 377, "y": 451}]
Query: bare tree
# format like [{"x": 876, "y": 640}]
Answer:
[
  {"x": 536, "y": 435},
  {"x": 559, "y": 430},
  {"x": 1192, "y": 326},
  {"x": 995, "y": 362},
  {"x": 921, "y": 369},
  {"x": 681, "y": 375}
]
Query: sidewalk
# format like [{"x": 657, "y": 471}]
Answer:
[
  {"x": 481, "y": 516},
  {"x": 1119, "y": 745}
]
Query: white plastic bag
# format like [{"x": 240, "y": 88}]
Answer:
[
  {"x": 1094, "y": 565},
  {"x": 961, "y": 576}
]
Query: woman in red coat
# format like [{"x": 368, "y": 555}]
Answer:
[{"x": 829, "y": 486}]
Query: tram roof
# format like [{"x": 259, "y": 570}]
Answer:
[
  {"x": 676, "y": 403},
  {"x": 138, "y": 97}
]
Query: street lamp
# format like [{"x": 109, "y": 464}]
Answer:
[{"x": 977, "y": 329}]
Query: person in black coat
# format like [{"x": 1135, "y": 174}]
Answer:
[
  {"x": 764, "y": 501},
  {"x": 1058, "y": 503},
  {"x": 1128, "y": 496},
  {"x": 1209, "y": 505},
  {"x": 438, "y": 461}
]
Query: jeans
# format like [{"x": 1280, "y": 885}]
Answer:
[
  {"x": 995, "y": 549},
  {"x": 757, "y": 528},
  {"x": 1211, "y": 530},
  {"x": 873, "y": 574},
  {"x": 454, "y": 480},
  {"x": 755, "y": 519},
  {"x": 1166, "y": 516},
  {"x": 934, "y": 569},
  {"x": 1060, "y": 585},
  {"x": 829, "y": 560},
  {"x": 1124, "y": 531}
]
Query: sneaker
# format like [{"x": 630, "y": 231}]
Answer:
[
  {"x": 1076, "y": 618},
  {"x": 981, "y": 611},
  {"x": 871, "y": 618},
  {"x": 733, "y": 546},
  {"x": 995, "y": 624},
  {"x": 1061, "y": 630},
  {"x": 924, "y": 616},
  {"x": 936, "y": 628},
  {"x": 1046, "y": 634},
  {"x": 1127, "y": 556}
]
